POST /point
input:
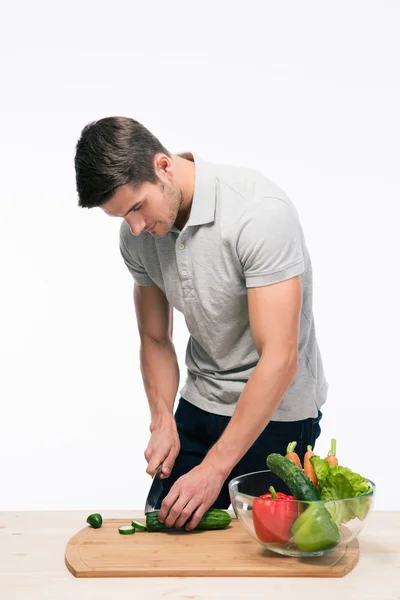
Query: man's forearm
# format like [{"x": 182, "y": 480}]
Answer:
[
  {"x": 160, "y": 372},
  {"x": 256, "y": 405}
]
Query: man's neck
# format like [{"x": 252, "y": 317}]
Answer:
[{"x": 186, "y": 181}]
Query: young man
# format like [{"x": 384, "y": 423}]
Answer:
[{"x": 224, "y": 246}]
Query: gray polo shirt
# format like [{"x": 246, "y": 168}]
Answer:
[{"x": 243, "y": 231}]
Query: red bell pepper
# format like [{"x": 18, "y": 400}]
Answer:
[{"x": 273, "y": 519}]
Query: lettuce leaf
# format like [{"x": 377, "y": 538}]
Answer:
[
  {"x": 360, "y": 506},
  {"x": 321, "y": 468},
  {"x": 337, "y": 483},
  {"x": 335, "y": 487},
  {"x": 360, "y": 484}
]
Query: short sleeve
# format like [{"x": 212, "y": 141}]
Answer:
[
  {"x": 136, "y": 269},
  {"x": 269, "y": 242}
]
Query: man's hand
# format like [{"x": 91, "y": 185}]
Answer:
[
  {"x": 163, "y": 447},
  {"x": 192, "y": 493}
]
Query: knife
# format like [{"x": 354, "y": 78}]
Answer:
[{"x": 155, "y": 491}]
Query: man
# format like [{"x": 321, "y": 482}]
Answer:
[{"x": 223, "y": 245}]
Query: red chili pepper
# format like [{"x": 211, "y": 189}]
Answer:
[{"x": 273, "y": 519}]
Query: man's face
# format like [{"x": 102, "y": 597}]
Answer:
[{"x": 147, "y": 206}]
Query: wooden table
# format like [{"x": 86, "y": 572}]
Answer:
[{"x": 32, "y": 546}]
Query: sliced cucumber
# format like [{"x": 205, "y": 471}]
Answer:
[
  {"x": 213, "y": 518},
  {"x": 126, "y": 529},
  {"x": 95, "y": 520},
  {"x": 139, "y": 526}
]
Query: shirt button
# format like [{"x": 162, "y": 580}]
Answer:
[
  {"x": 184, "y": 273},
  {"x": 181, "y": 246}
]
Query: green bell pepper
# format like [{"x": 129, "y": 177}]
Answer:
[{"x": 314, "y": 530}]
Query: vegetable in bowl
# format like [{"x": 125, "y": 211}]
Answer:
[
  {"x": 336, "y": 483},
  {"x": 325, "y": 506}
]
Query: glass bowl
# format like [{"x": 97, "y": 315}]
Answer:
[{"x": 294, "y": 527}]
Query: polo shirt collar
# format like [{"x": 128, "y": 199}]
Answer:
[{"x": 202, "y": 210}]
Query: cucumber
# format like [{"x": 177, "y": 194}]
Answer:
[
  {"x": 297, "y": 481},
  {"x": 138, "y": 526},
  {"x": 126, "y": 529},
  {"x": 214, "y": 518},
  {"x": 95, "y": 520}
]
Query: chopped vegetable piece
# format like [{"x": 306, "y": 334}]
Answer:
[
  {"x": 95, "y": 520},
  {"x": 139, "y": 526},
  {"x": 126, "y": 529}
]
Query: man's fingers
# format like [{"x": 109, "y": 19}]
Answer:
[
  {"x": 187, "y": 511},
  {"x": 168, "y": 464},
  {"x": 176, "y": 511},
  {"x": 155, "y": 461},
  {"x": 166, "y": 456},
  {"x": 168, "y": 503},
  {"x": 173, "y": 504},
  {"x": 196, "y": 518}
]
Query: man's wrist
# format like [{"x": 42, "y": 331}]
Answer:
[
  {"x": 159, "y": 421},
  {"x": 219, "y": 461}
]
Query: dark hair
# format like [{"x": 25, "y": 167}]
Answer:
[{"x": 112, "y": 152}]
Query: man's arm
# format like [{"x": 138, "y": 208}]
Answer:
[
  {"x": 274, "y": 319},
  {"x": 274, "y": 312},
  {"x": 160, "y": 372}
]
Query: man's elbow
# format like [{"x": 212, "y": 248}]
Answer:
[
  {"x": 283, "y": 362},
  {"x": 290, "y": 365}
]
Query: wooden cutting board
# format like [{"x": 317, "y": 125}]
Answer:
[{"x": 230, "y": 552}]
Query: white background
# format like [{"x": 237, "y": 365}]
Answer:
[{"x": 308, "y": 92}]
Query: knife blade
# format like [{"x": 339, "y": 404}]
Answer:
[{"x": 155, "y": 491}]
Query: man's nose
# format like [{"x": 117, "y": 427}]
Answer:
[{"x": 136, "y": 224}]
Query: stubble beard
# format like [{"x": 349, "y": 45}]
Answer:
[{"x": 173, "y": 200}]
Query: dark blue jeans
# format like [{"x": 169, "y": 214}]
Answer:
[{"x": 199, "y": 430}]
